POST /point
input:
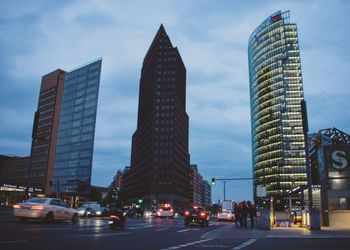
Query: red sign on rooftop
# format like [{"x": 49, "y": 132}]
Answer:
[{"x": 276, "y": 18}]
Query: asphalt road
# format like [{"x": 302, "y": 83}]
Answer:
[{"x": 144, "y": 234}]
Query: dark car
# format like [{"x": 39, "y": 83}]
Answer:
[{"x": 196, "y": 215}]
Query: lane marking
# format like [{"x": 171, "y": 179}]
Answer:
[
  {"x": 13, "y": 241},
  {"x": 189, "y": 229},
  {"x": 133, "y": 228},
  {"x": 100, "y": 235},
  {"x": 186, "y": 245},
  {"x": 244, "y": 244},
  {"x": 105, "y": 235},
  {"x": 161, "y": 229},
  {"x": 44, "y": 229}
]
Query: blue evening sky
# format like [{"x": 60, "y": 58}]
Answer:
[{"x": 37, "y": 37}]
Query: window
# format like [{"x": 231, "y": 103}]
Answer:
[
  {"x": 79, "y": 101},
  {"x": 87, "y": 129},
  {"x": 76, "y": 123},
  {"x": 75, "y": 139},
  {"x": 86, "y": 137},
  {"x": 80, "y": 93}
]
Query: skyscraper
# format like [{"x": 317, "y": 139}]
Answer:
[
  {"x": 45, "y": 130},
  {"x": 76, "y": 132},
  {"x": 276, "y": 91},
  {"x": 160, "y": 168}
]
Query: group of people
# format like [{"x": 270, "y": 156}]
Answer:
[{"x": 242, "y": 210}]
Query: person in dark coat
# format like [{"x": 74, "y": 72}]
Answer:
[
  {"x": 237, "y": 214},
  {"x": 244, "y": 213},
  {"x": 252, "y": 213}
]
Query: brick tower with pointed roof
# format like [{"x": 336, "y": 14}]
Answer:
[{"x": 160, "y": 162}]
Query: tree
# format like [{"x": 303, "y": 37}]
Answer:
[{"x": 95, "y": 194}]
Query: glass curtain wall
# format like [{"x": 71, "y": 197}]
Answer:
[
  {"x": 74, "y": 153},
  {"x": 276, "y": 91}
]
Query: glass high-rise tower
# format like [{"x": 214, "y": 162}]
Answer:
[
  {"x": 276, "y": 91},
  {"x": 76, "y": 132}
]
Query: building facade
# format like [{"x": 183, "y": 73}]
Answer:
[
  {"x": 76, "y": 132},
  {"x": 206, "y": 194},
  {"x": 14, "y": 179},
  {"x": 117, "y": 180},
  {"x": 276, "y": 92},
  {"x": 160, "y": 168},
  {"x": 45, "y": 131},
  {"x": 196, "y": 183}
]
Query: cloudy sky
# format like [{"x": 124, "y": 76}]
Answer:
[{"x": 37, "y": 37}]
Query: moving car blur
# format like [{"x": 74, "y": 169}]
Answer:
[{"x": 48, "y": 209}]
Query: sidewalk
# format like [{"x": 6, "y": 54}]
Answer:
[{"x": 231, "y": 232}]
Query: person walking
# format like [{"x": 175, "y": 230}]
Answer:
[
  {"x": 252, "y": 213},
  {"x": 244, "y": 213},
  {"x": 237, "y": 214}
]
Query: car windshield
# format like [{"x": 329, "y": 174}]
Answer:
[{"x": 37, "y": 200}]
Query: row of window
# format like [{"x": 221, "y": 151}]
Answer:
[{"x": 74, "y": 139}]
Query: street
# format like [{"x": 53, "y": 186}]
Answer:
[{"x": 156, "y": 233}]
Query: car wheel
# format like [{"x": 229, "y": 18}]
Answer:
[
  {"x": 75, "y": 218},
  {"x": 49, "y": 217}
]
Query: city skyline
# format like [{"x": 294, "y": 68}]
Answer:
[{"x": 215, "y": 52}]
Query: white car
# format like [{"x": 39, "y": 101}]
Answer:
[
  {"x": 226, "y": 216},
  {"x": 165, "y": 212},
  {"x": 90, "y": 209},
  {"x": 48, "y": 209}
]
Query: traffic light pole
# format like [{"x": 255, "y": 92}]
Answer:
[
  {"x": 224, "y": 190},
  {"x": 227, "y": 179}
]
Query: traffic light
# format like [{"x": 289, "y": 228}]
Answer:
[
  {"x": 213, "y": 181},
  {"x": 140, "y": 201}
]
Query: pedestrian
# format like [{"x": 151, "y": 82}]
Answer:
[
  {"x": 244, "y": 213},
  {"x": 252, "y": 213},
  {"x": 237, "y": 215},
  {"x": 240, "y": 209}
]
